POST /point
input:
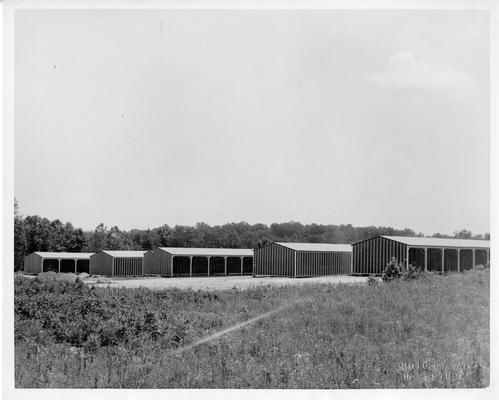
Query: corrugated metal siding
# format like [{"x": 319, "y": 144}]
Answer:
[
  {"x": 323, "y": 263},
  {"x": 127, "y": 266},
  {"x": 101, "y": 264},
  {"x": 371, "y": 256},
  {"x": 274, "y": 260},
  {"x": 157, "y": 262},
  {"x": 33, "y": 264}
]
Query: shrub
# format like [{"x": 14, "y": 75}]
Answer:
[
  {"x": 396, "y": 270},
  {"x": 372, "y": 280},
  {"x": 411, "y": 272},
  {"x": 393, "y": 270}
]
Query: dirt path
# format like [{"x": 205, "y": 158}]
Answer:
[{"x": 218, "y": 283}]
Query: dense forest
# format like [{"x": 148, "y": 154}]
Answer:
[{"x": 35, "y": 233}]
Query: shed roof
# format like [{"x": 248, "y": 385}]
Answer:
[
  {"x": 197, "y": 251},
  {"x": 322, "y": 247},
  {"x": 125, "y": 253},
  {"x": 440, "y": 242},
  {"x": 63, "y": 255}
]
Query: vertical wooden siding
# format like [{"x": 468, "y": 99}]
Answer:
[
  {"x": 372, "y": 255},
  {"x": 157, "y": 262},
  {"x": 274, "y": 260},
  {"x": 313, "y": 263}
]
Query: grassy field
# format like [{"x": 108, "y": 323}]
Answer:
[{"x": 432, "y": 332}]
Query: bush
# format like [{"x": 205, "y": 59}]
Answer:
[
  {"x": 396, "y": 270},
  {"x": 372, "y": 280},
  {"x": 412, "y": 272},
  {"x": 393, "y": 270}
]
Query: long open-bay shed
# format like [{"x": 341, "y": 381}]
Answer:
[
  {"x": 370, "y": 256},
  {"x": 189, "y": 261},
  {"x": 43, "y": 261},
  {"x": 303, "y": 259},
  {"x": 117, "y": 263}
]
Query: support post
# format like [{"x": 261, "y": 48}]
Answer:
[
  {"x": 190, "y": 265},
  {"x": 474, "y": 260},
  {"x": 458, "y": 260},
  {"x": 41, "y": 267},
  {"x": 208, "y": 265},
  {"x": 76, "y": 263},
  {"x": 59, "y": 265},
  {"x": 225, "y": 265},
  {"x": 295, "y": 264},
  {"x": 171, "y": 266},
  {"x": 426, "y": 259},
  {"x": 242, "y": 265},
  {"x": 112, "y": 272},
  {"x": 488, "y": 255},
  {"x": 407, "y": 260},
  {"x": 443, "y": 260}
]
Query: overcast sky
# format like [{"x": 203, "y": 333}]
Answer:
[{"x": 141, "y": 118}]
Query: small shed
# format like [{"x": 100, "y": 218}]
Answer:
[
  {"x": 303, "y": 259},
  {"x": 117, "y": 263},
  {"x": 370, "y": 256},
  {"x": 189, "y": 261},
  {"x": 43, "y": 261}
]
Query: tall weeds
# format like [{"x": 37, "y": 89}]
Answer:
[{"x": 432, "y": 332}]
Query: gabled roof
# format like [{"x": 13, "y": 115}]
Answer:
[
  {"x": 63, "y": 255},
  {"x": 125, "y": 253},
  {"x": 198, "y": 251},
  {"x": 316, "y": 246},
  {"x": 440, "y": 242}
]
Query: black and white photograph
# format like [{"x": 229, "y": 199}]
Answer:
[{"x": 215, "y": 196}]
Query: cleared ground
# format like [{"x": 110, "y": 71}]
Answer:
[{"x": 217, "y": 283}]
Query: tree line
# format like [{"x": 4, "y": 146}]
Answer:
[{"x": 34, "y": 233}]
